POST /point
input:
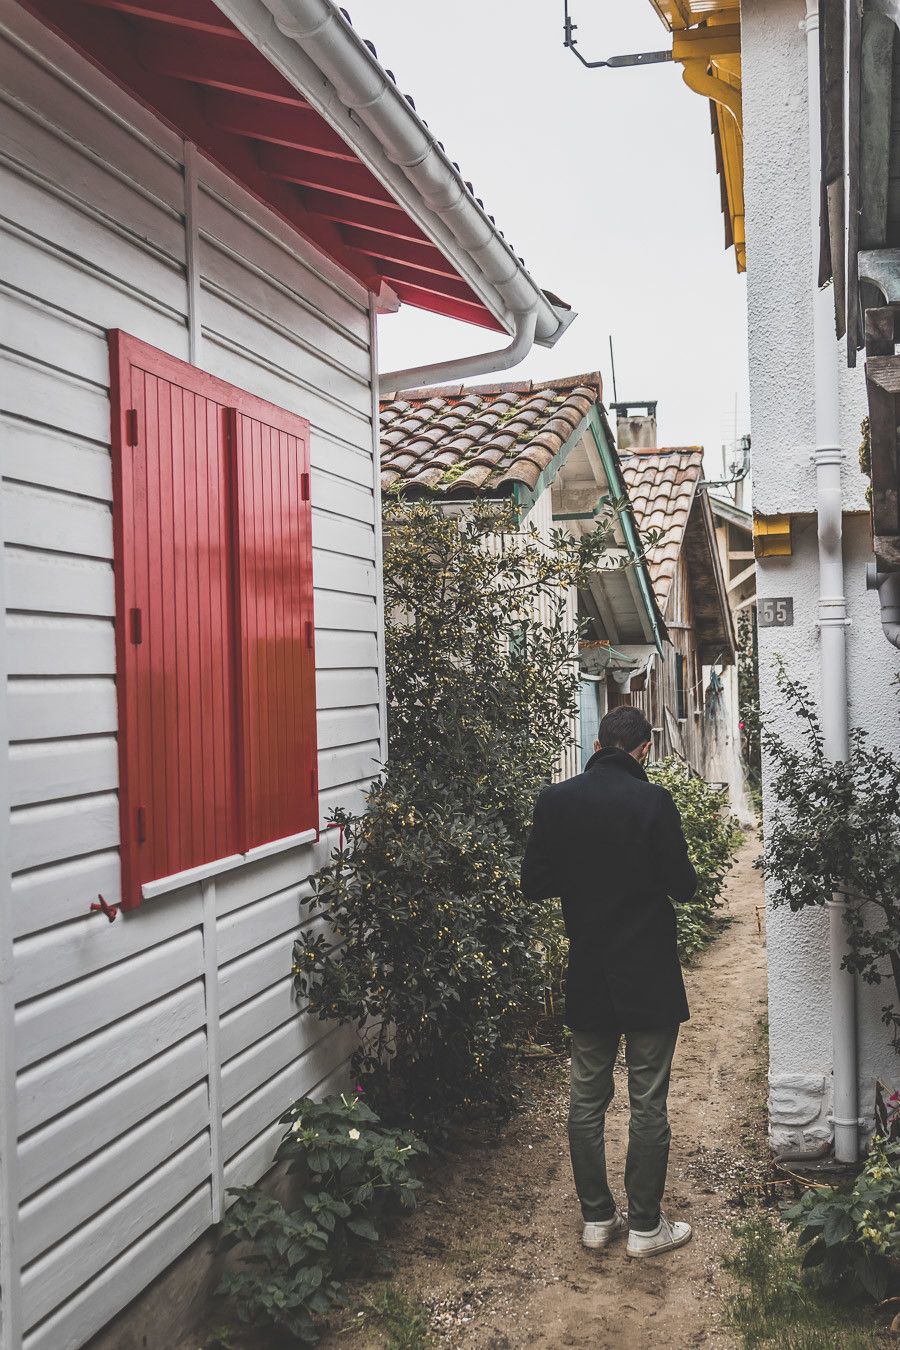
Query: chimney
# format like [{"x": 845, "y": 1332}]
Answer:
[{"x": 635, "y": 425}]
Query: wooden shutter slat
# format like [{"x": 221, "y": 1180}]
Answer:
[{"x": 275, "y": 585}]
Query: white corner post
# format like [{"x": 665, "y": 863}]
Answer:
[{"x": 832, "y": 616}]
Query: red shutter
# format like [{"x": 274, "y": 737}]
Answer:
[
  {"x": 213, "y": 595},
  {"x": 277, "y": 659}
]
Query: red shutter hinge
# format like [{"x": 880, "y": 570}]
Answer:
[
  {"x": 309, "y": 633},
  {"x": 141, "y": 825},
  {"x": 304, "y": 487},
  {"x": 313, "y": 781},
  {"x": 131, "y": 427},
  {"x": 137, "y": 627}
]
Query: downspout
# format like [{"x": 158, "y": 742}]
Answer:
[
  {"x": 465, "y": 367},
  {"x": 887, "y": 584},
  {"x": 832, "y": 616}
]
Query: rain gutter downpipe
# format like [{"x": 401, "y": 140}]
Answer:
[
  {"x": 832, "y": 617},
  {"x": 465, "y": 367},
  {"x": 416, "y": 167},
  {"x": 887, "y": 584}
]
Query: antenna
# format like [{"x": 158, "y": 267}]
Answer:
[
  {"x": 632, "y": 59},
  {"x": 612, "y": 362}
]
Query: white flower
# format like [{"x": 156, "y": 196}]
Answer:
[{"x": 354, "y": 1134}]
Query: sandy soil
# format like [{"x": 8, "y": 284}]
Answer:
[{"x": 494, "y": 1252}]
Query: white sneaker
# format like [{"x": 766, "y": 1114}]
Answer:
[
  {"x": 664, "y": 1238},
  {"x": 601, "y": 1234}
]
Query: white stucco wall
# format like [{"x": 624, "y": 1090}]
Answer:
[{"x": 781, "y": 390}]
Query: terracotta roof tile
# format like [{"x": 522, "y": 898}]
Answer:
[
  {"x": 661, "y": 485},
  {"x": 485, "y": 438}
]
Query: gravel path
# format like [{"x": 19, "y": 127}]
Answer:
[{"x": 494, "y": 1252}]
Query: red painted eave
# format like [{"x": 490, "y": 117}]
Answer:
[{"x": 186, "y": 62}]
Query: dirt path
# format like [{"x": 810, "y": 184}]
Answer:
[{"x": 494, "y": 1250}]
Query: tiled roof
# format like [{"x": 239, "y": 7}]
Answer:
[
  {"x": 459, "y": 440},
  {"x": 661, "y": 484}
]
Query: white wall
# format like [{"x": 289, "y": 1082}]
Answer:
[
  {"x": 151, "y": 1055},
  {"x": 781, "y": 384}
]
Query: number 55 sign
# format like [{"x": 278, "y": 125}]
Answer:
[{"x": 775, "y": 612}]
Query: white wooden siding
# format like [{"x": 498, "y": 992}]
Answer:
[{"x": 131, "y": 1037}]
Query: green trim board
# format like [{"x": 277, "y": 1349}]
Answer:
[
  {"x": 526, "y": 499},
  {"x": 629, "y": 529}
]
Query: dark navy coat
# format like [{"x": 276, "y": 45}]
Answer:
[{"x": 609, "y": 843}]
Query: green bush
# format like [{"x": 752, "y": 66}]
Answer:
[
  {"x": 428, "y": 944},
  {"x": 837, "y": 829},
  {"x": 352, "y": 1169},
  {"x": 712, "y": 835},
  {"x": 851, "y": 1236}
]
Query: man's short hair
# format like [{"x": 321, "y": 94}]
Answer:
[{"x": 624, "y": 728}]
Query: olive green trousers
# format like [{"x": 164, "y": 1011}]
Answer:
[{"x": 648, "y": 1056}]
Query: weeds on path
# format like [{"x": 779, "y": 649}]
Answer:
[
  {"x": 774, "y": 1306},
  {"x": 403, "y": 1322}
]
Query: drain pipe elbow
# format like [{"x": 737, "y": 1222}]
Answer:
[
  {"x": 465, "y": 367},
  {"x": 887, "y": 584}
]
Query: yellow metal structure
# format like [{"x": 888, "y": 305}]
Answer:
[
  {"x": 772, "y": 537},
  {"x": 706, "y": 41}
]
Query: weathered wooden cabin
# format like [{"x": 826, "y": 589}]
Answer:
[{"x": 664, "y": 487}]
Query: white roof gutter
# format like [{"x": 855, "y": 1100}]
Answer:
[{"x": 321, "y": 55}]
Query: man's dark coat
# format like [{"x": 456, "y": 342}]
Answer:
[{"x": 610, "y": 844}]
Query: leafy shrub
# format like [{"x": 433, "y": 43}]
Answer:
[
  {"x": 352, "y": 1169},
  {"x": 852, "y": 1237},
  {"x": 429, "y": 944},
  {"x": 712, "y": 835},
  {"x": 838, "y": 829}
]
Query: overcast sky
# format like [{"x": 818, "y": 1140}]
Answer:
[{"x": 603, "y": 181}]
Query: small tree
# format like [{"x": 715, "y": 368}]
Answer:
[
  {"x": 713, "y": 836},
  {"x": 837, "y": 828},
  {"x": 431, "y": 946}
]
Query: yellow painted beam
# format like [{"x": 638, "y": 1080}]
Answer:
[
  {"x": 772, "y": 537},
  {"x": 695, "y": 43}
]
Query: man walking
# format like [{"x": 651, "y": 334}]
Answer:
[{"x": 610, "y": 844}]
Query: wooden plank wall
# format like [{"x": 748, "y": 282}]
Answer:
[
  {"x": 660, "y": 692},
  {"x": 152, "y": 1054}
]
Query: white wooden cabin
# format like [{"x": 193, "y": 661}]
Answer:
[{"x": 162, "y": 177}]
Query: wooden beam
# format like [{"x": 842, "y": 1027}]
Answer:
[
  {"x": 300, "y": 127},
  {"x": 200, "y": 15},
  {"x": 424, "y": 257},
  {"x": 382, "y": 219},
  {"x": 741, "y": 554},
  {"x": 209, "y": 60},
  {"x": 741, "y": 577},
  {"x": 316, "y": 171},
  {"x": 425, "y": 281},
  {"x": 604, "y": 608},
  {"x": 469, "y": 311}
]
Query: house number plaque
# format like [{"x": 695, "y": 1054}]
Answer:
[{"x": 776, "y": 612}]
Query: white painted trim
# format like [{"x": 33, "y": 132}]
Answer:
[
  {"x": 191, "y": 875},
  {"x": 10, "y": 1261},
  {"x": 213, "y": 1047},
  {"x": 191, "y": 252},
  {"x": 379, "y": 540}
]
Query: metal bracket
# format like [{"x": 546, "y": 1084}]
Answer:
[{"x": 613, "y": 62}]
